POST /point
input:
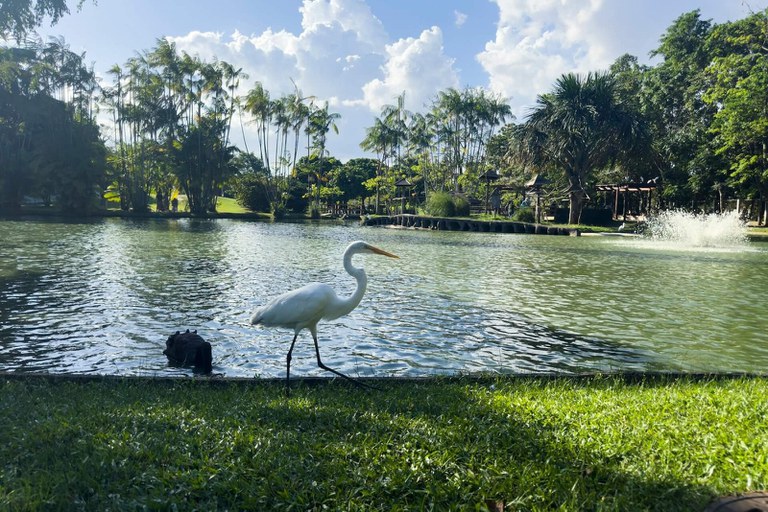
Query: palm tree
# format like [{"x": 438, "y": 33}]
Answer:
[
  {"x": 420, "y": 140},
  {"x": 258, "y": 104},
  {"x": 449, "y": 108},
  {"x": 378, "y": 140},
  {"x": 321, "y": 121},
  {"x": 116, "y": 100},
  {"x": 299, "y": 113},
  {"x": 396, "y": 117},
  {"x": 579, "y": 127},
  {"x": 281, "y": 118}
]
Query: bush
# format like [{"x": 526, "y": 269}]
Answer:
[
  {"x": 462, "y": 206},
  {"x": 278, "y": 211},
  {"x": 295, "y": 198},
  {"x": 251, "y": 192},
  {"x": 524, "y": 215},
  {"x": 440, "y": 204}
]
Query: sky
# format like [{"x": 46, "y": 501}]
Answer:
[{"x": 359, "y": 55}]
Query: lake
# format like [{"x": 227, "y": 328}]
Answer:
[{"x": 101, "y": 296}]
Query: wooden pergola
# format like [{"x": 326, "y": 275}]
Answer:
[{"x": 625, "y": 189}]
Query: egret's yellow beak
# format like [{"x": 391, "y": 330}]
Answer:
[{"x": 382, "y": 252}]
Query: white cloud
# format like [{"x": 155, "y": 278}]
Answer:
[
  {"x": 417, "y": 66},
  {"x": 264, "y": 59},
  {"x": 351, "y": 15},
  {"x": 459, "y": 18},
  {"x": 340, "y": 47},
  {"x": 537, "y": 41},
  {"x": 342, "y": 55}
]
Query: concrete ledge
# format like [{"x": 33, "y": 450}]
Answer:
[{"x": 460, "y": 224}]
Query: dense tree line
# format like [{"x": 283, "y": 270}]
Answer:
[
  {"x": 442, "y": 149},
  {"x": 49, "y": 142},
  {"x": 697, "y": 122},
  {"x": 172, "y": 115},
  {"x": 50, "y": 146}
]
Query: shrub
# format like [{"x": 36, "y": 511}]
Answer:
[
  {"x": 462, "y": 206},
  {"x": 251, "y": 192},
  {"x": 524, "y": 215},
  {"x": 278, "y": 211},
  {"x": 440, "y": 204}
]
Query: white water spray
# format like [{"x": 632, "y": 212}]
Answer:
[{"x": 684, "y": 229}]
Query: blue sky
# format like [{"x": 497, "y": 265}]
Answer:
[{"x": 361, "y": 54}]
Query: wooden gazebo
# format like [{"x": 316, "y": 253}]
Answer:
[
  {"x": 403, "y": 187},
  {"x": 626, "y": 188},
  {"x": 488, "y": 176},
  {"x": 535, "y": 185}
]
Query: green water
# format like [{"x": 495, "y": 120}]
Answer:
[{"x": 101, "y": 297}]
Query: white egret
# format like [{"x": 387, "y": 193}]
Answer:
[{"x": 304, "y": 307}]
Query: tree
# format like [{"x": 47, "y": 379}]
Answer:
[
  {"x": 378, "y": 140},
  {"x": 395, "y": 118},
  {"x": 350, "y": 178},
  {"x": 173, "y": 116},
  {"x": 251, "y": 183},
  {"x": 502, "y": 155},
  {"x": 298, "y": 115},
  {"x": 311, "y": 175},
  {"x": 678, "y": 118},
  {"x": 199, "y": 166},
  {"x": 48, "y": 147},
  {"x": 20, "y": 17},
  {"x": 258, "y": 104},
  {"x": 442, "y": 146},
  {"x": 464, "y": 122},
  {"x": 321, "y": 121},
  {"x": 740, "y": 93},
  {"x": 579, "y": 127}
]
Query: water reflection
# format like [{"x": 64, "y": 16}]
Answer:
[{"x": 101, "y": 297}]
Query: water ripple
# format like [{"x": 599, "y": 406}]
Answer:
[{"x": 102, "y": 297}]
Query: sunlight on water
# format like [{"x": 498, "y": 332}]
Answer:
[
  {"x": 684, "y": 230},
  {"x": 102, "y": 297}
]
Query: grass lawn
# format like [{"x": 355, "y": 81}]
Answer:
[
  {"x": 599, "y": 443},
  {"x": 229, "y": 205},
  {"x": 223, "y": 205}
]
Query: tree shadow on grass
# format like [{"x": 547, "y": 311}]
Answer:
[{"x": 244, "y": 445}]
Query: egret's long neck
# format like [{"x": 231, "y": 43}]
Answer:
[{"x": 349, "y": 303}]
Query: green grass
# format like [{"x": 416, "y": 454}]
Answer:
[
  {"x": 601, "y": 443},
  {"x": 229, "y": 205},
  {"x": 223, "y": 205}
]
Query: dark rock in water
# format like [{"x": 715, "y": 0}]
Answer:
[{"x": 189, "y": 349}]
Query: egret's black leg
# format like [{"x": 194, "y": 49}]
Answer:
[
  {"x": 288, "y": 366},
  {"x": 324, "y": 367}
]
